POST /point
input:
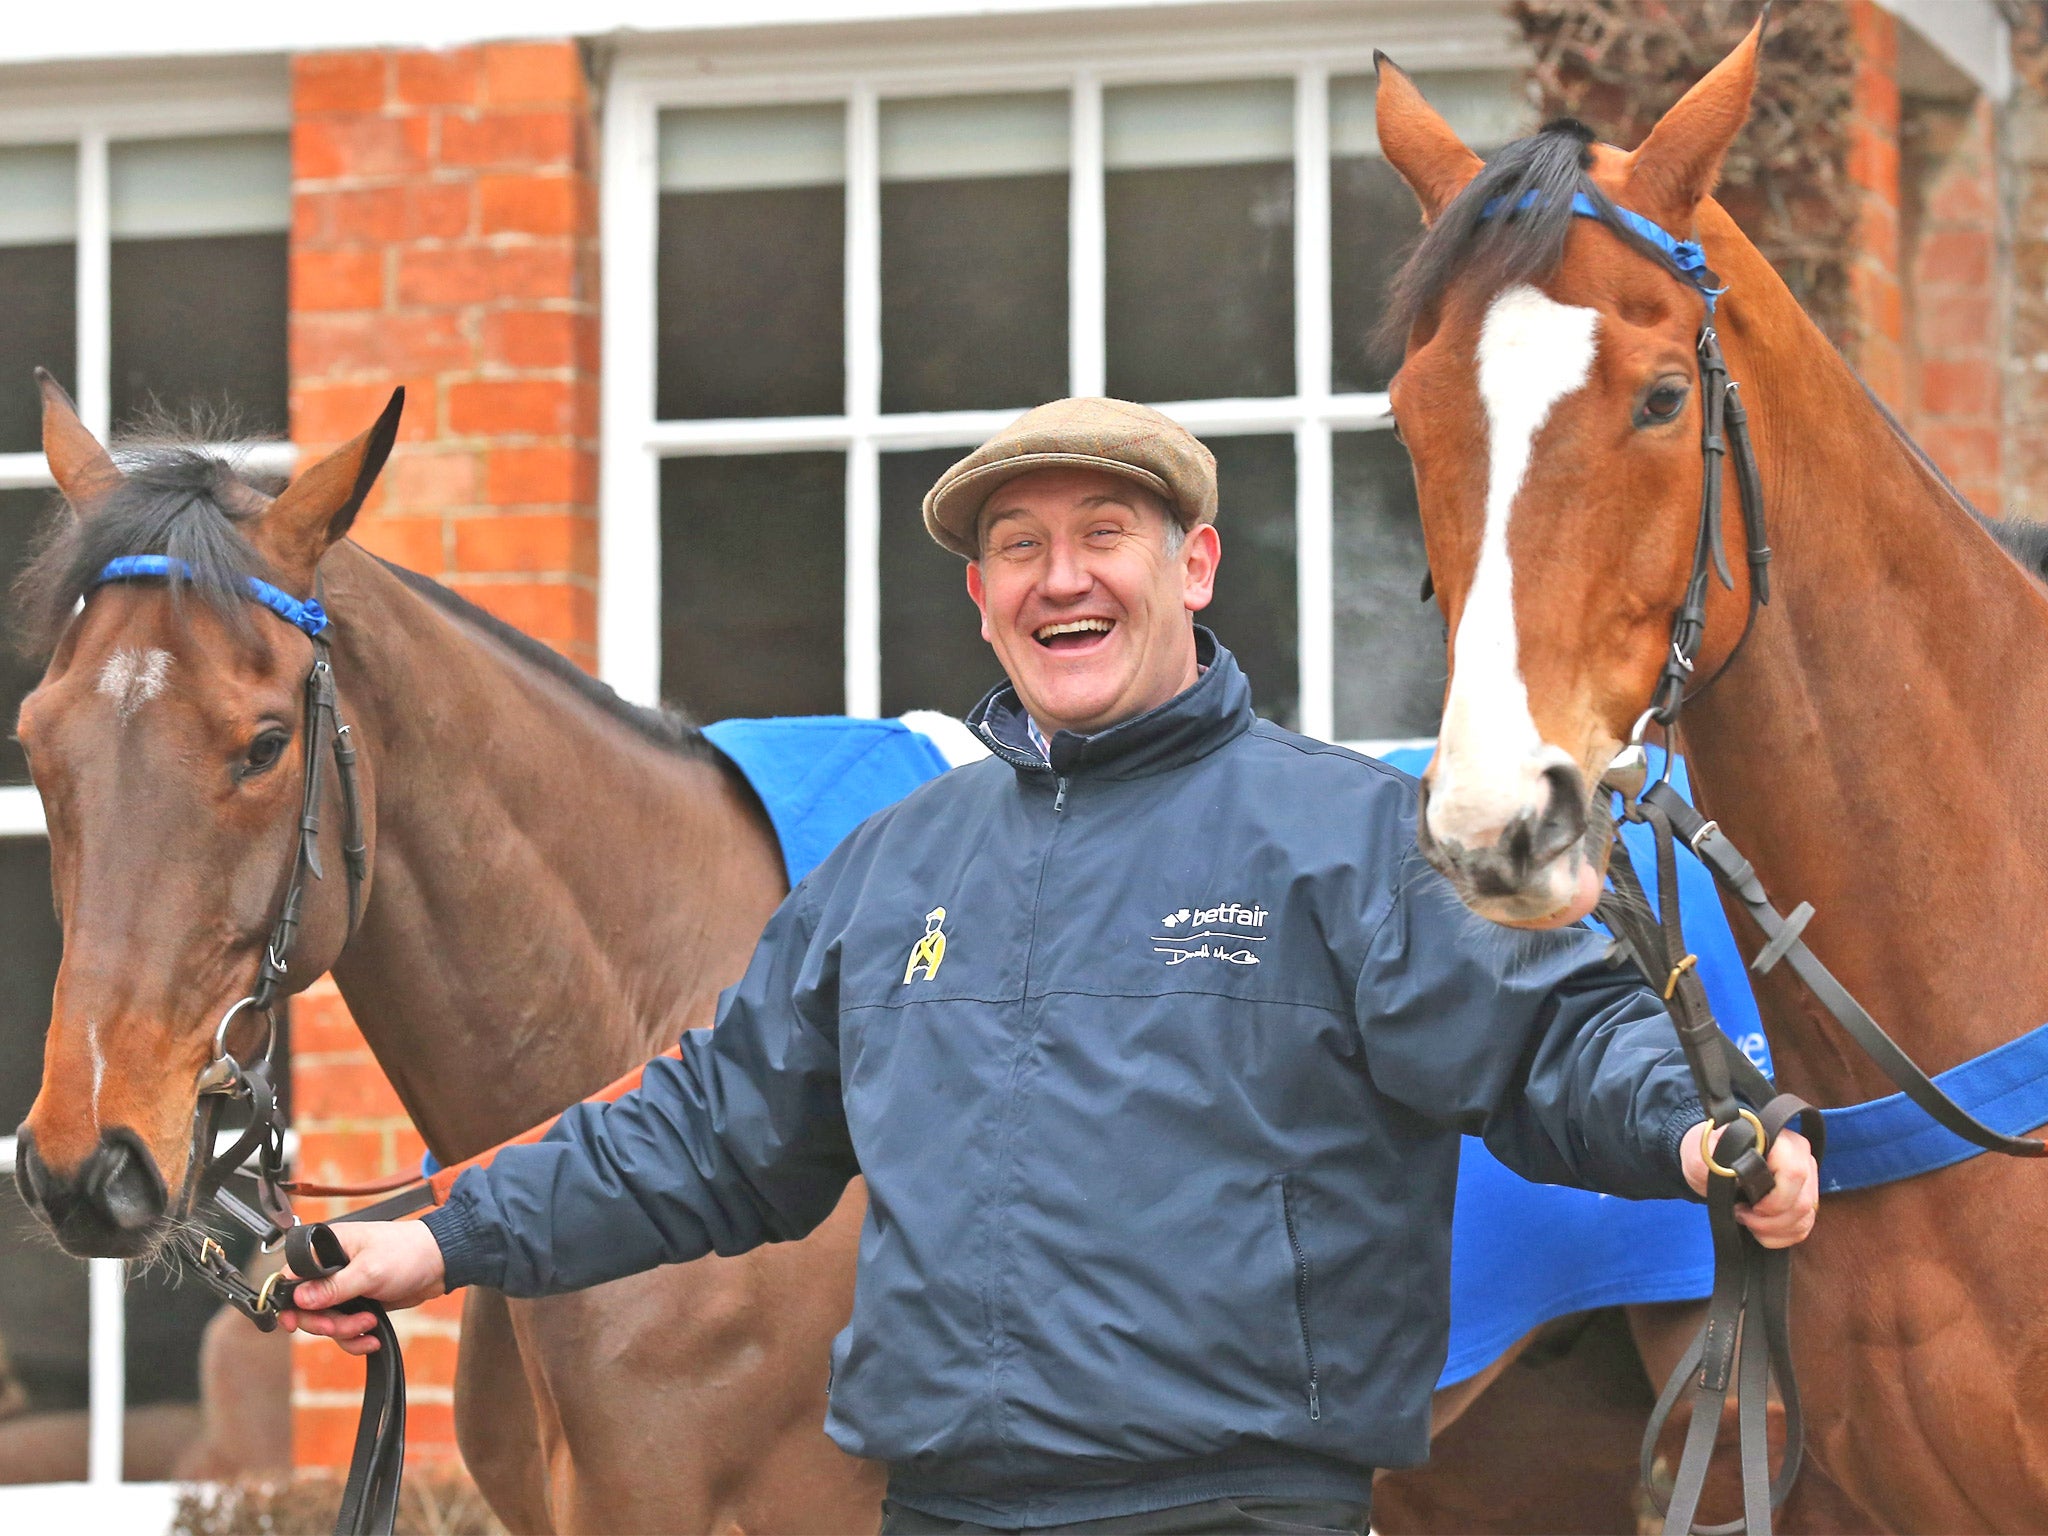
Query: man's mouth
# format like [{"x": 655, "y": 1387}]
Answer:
[{"x": 1072, "y": 634}]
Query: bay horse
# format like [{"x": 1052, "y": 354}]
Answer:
[
  {"x": 557, "y": 884},
  {"x": 1870, "y": 744}
]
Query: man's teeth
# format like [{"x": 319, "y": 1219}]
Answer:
[{"x": 1073, "y": 627}]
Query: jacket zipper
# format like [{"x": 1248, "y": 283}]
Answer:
[{"x": 1308, "y": 1349}]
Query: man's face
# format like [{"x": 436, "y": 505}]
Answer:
[{"x": 1086, "y": 609}]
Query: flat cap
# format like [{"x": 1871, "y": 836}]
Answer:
[{"x": 1087, "y": 433}]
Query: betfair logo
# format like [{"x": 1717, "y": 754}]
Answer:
[{"x": 930, "y": 951}]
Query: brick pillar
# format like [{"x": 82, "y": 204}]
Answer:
[
  {"x": 1877, "y": 320},
  {"x": 2025, "y": 166},
  {"x": 443, "y": 222},
  {"x": 1950, "y": 237}
]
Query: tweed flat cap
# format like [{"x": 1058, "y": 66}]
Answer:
[{"x": 1088, "y": 433}]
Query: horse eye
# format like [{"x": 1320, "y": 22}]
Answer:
[
  {"x": 1662, "y": 404},
  {"x": 1394, "y": 423},
  {"x": 264, "y": 752}
]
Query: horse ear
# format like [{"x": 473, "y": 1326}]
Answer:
[
  {"x": 314, "y": 512},
  {"x": 1418, "y": 143},
  {"x": 83, "y": 470},
  {"x": 1675, "y": 168}
]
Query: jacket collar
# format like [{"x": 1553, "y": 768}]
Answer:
[{"x": 1190, "y": 725}]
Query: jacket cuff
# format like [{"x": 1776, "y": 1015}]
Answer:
[
  {"x": 469, "y": 1254},
  {"x": 1682, "y": 1119}
]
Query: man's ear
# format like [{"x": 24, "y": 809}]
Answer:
[
  {"x": 83, "y": 470},
  {"x": 314, "y": 512},
  {"x": 1418, "y": 143},
  {"x": 1200, "y": 554},
  {"x": 979, "y": 593}
]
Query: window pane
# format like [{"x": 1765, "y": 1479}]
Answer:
[
  {"x": 38, "y": 262},
  {"x": 1390, "y": 644},
  {"x": 23, "y": 515},
  {"x": 751, "y": 262},
  {"x": 1373, "y": 217},
  {"x": 198, "y": 272},
  {"x": 974, "y": 252},
  {"x": 753, "y": 585},
  {"x": 933, "y": 656},
  {"x": 1199, "y": 199},
  {"x": 1254, "y": 610}
]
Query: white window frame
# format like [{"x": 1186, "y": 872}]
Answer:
[
  {"x": 1042, "y": 53},
  {"x": 90, "y": 110}
]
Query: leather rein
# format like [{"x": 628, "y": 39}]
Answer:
[
  {"x": 1745, "y": 1343},
  {"x": 369, "y": 1505}
]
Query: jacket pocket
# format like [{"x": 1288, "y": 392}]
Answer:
[{"x": 1290, "y": 1212}]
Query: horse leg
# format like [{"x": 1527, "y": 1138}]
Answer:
[
  {"x": 1815, "y": 1506},
  {"x": 692, "y": 1398},
  {"x": 497, "y": 1425},
  {"x": 1549, "y": 1446}
]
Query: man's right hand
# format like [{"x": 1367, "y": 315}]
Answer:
[{"x": 395, "y": 1262}]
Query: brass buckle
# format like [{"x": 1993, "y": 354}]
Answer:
[
  {"x": 1671, "y": 986},
  {"x": 263, "y": 1302},
  {"x": 1755, "y": 1124}
]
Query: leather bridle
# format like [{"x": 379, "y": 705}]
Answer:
[{"x": 370, "y": 1496}]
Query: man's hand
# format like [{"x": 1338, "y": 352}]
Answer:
[
  {"x": 395, "y": 1262},
  {"x": 1785, "y": 1215}
]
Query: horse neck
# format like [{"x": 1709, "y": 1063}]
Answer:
[
  {"x": 553, "y": 897},
  {"x": 1871, "y": 750}
]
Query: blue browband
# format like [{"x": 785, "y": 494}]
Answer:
[
  {"x": 307, "y": 615},
  {"x": 1684, "y": 255}
]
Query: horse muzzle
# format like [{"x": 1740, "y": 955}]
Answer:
[
  {"x": 111, "y": 1206},
  {"x": 1525, "y": 854}
]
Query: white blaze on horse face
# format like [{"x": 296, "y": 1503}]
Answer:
[
  {"x": 1533, "y": 352},
  {"x": 132, "y": 678}
]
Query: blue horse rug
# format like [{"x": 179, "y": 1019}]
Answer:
[{"x": 1521, "y": 1253}]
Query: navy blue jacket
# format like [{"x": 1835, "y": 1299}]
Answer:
[{"x": 1161, "y": 1142}]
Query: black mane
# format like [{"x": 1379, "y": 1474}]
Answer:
[
  {"x": 1528, "y": 185},
  {"x": 190, "y": 503}
]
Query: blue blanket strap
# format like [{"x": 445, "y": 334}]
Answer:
[
  {"x": 1890, "y": 1139},
  {"x": 307, "y": 615},
  {"x": 1685, "y": 255}
]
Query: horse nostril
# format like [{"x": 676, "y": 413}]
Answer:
[
  {"x": 122, "y": 1183},
  {"x": 31, "y": 1179},
  {"x": 1563, "y": 821}
]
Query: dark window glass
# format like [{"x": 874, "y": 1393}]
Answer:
[
  {"x": 38, "y": 284},
  {"x": 753, "y": 584},
  {"x": 1374, "y": 220},
  {"x": 750, "y": 264},
  {"x": 199, "y": 325},
  {"x": 1254, "y": 610},
  {"x": 933, "y": 656},
  {"x": 1389, "y": 643},
  {"x": 198, "y": 279},
  {"x": 974, "y": 252},
  {"x": 1199, "y": 203},
  {"x": 23, "y": 515},
  {"x": 1373, "y": 224}
]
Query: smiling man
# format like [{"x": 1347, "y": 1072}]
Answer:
[{"x": 1153, "y": 1036}]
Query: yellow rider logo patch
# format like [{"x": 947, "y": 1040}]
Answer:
[{"x": 929, "y": 953}]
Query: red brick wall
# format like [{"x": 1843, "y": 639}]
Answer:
[
  {"x": 1923, "y": 278},
  {"x": 443, "y": 221}
]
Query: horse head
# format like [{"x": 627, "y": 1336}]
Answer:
[
  {"x": 168, "y": 740},
  {"x": 1549, "y": 398}
]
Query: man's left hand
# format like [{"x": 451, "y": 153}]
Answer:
[{"x": 1785, "y": 1215}]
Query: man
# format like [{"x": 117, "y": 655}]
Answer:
[{"x": 1153, "y": 1037}]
